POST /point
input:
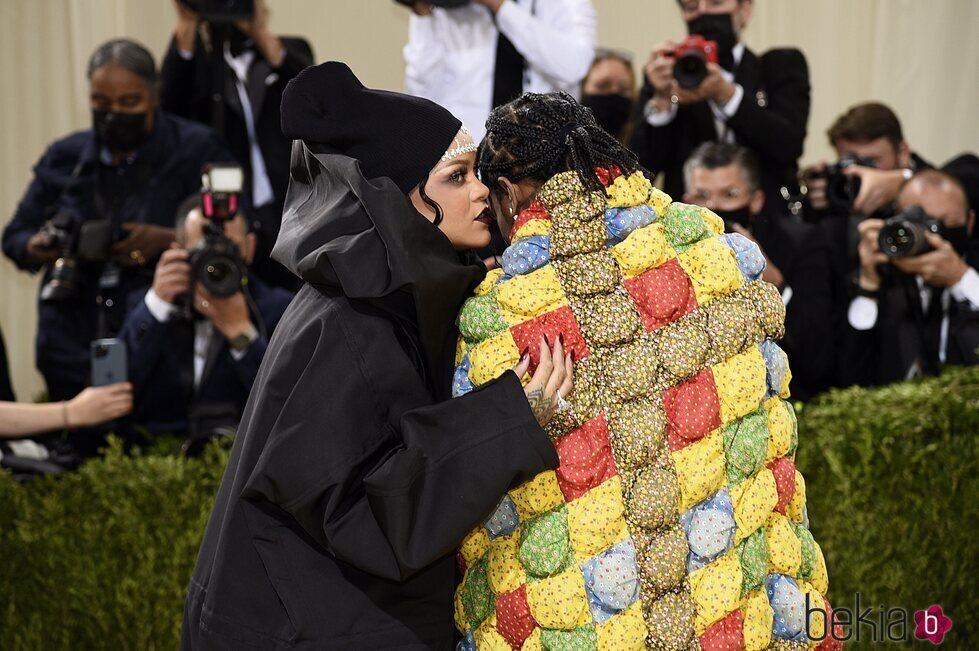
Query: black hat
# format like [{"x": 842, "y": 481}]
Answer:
[{"x": 391, "y": 134}]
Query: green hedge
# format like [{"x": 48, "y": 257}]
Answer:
[{"x": 99, "y": 559}]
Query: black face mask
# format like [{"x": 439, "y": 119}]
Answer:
[
  {"x": 611, "y": 111},
  {"x": 120, "y": 132},
  {"x": 741, "y": 216},
  {"x": 719, "y": 28}
]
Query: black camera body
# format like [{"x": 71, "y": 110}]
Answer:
[
  {"x": 691, "y": 59},
  {"x": 78, "y": 241},
  {"x": 222, "y": 11},
  {"x": 842, "y": 189},
  {"x": 903, "y": 235},
  {"x": 216, "y": 262}
]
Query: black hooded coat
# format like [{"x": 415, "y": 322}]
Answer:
[{"x": 353, "y": 477}]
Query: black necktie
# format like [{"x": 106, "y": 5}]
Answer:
[{"x": 508, "y": 73}]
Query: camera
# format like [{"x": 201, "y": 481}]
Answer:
[
  {"x": 692, "y": 57},
  {"x": 903, "y": 235},
  {"x": 216, "y": 262},
  {"x": 222, "y": 11},
  {"x": 842, "y": 189}
]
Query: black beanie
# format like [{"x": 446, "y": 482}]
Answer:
[{"x": 391, "y": 134}]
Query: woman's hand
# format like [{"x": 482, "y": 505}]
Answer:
[
  {"x": 554, "y": 374},
  {"x": 96, "y": 405}
]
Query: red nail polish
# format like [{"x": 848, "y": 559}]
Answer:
[
  {"x": 524, "y": 353},
  {"x": 574, "y": 358},
  {"x": 547, "y": 341}
]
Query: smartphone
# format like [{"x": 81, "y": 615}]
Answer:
[{"x": 108, "y": 362}]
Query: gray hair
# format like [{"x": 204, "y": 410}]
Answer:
[
  {"x": 712, "y": 155},
  {"x": 126, "y": 54}
]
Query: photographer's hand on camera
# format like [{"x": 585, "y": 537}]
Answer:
[
  {"x": 814, "y": 178},
  {"x": 878, "y": 188},
  {"x": 714, "y": 87},
  {"x": 171, "y": 278},
  {"x": 40, "y": 250},
  {"x": 186, "y": 31},
  {"x": 229, "y": 316},
  {"x": 142, "y": 243},
  {"x": 257, "y": 29},
  {"x": 659, "y": 74},
  {"x": 870, "y": 254},
  {"x": 943, "y": 267}
]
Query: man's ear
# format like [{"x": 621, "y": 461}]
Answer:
[
  {"x": 904, "y": 155},
  {"x": 757, "y": 202}
]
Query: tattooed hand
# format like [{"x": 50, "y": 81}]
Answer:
[{"x": 553, "y": 374}]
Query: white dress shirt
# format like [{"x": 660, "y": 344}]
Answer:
[
  {"x": 722, "y": 112},
  {"x": 451, "y": 54},
  {"x": 863, "y": 310}
]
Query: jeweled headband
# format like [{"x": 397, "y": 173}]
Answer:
[{"x": 463, "y": 143}]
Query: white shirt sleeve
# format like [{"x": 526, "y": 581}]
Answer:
[
  {"x": 725, "y": 111},
  {"x": 862, "y": 314},
  {"x": 159, "y": 308},
  {"x": 967, "y": 289},
  {"x": 563, "y": 51},
  {"x": 423, "y": 55},
  {"x": 657, "y": 118}
]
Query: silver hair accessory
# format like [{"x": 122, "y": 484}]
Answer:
[{"x": 463, "y": 143}]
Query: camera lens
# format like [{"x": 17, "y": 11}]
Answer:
[
  {"x": 222, "y": 276},
  {"x": 902, "y": 239},
  {"x": 690, "y": 69},
  {"x": 63, "y": 282}
]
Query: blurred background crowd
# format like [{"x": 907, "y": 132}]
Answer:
[{"x": 146, "y": 172}]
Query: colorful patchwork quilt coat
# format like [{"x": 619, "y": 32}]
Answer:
[{"x": 677, "y": 518}]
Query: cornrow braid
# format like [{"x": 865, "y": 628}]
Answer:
[{"x": 539, "y": 135}]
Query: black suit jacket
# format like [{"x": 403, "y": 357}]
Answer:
[
  {"x": 186, "y": 89},
  {"x": 801, "y": 253},
  {"x": 904, "y": 332},
  {"x": 771, "y": 121}
]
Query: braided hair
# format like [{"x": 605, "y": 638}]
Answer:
[{"x": 539, "y": 135}]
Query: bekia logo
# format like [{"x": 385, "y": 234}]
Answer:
[
  {"x": 886, "y": 625},
  {"x": 931, "y": 624}
]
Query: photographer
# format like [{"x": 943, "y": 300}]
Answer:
[
  {"x": 473, "y": 56},
  {"x": 725, "y": 178},
  {"x": 194, "y": 354},
  {"x": 609, "y": 91},
  {"x": 255, "y": 66},
  {"x": 99, "y": 210},
  {"x": 761, "y": 103},
  {"x": 916, "y": 294}
]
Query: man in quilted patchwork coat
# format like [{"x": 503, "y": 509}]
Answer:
[{"x": 676, "y": 518}]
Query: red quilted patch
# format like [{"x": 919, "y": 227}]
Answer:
[
  {"x": 662, "y": 294},
  {"x": 554, "y": 323},
  {"x": 784, "y": 471},
  {"x": 586, "y": 458},
  {"x": 513, "y": 618},
  {"x": 606, "y": 176},
  {"x": 533, "y": 211},
  {"x": 724, "y": 635},
  {"x": 692, "y": 410},
  {"x": 832, "y": 642}
]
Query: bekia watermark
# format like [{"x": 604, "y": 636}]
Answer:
[{"x": 884, "y": 625}]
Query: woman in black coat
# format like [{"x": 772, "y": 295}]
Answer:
[{"x": 353, "y": 476}]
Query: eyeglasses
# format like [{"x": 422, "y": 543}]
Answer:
[{"x": 731, "y": 194}]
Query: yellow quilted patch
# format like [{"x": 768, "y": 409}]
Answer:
[
  {"x": 625, "y": 631},
  {"x": 596, "y": 520},
  {"x": 740, "y": 384},
  {"x": 488, "y": 638},
  {"x": 753, "y": 500},
  {"x": 474, "y": 546},
  {"x": 819, "y": 578},
  {"x": 533, "y": 643},
  {"x": 817, "y": 620},
  {"x": 780, "y": 426},
  {"x": 628, "y": 191},
  {"x": 540, "y": 494},
  {"x": 716, "y": 590},
  {"x": 532, "y": 227},
  {"x": 795, "y": 509},
  {"x": 758, "y": 616},
  {"x": 526, "y": 296},
  {"x": 492, "y": 357},
  {"x": 644, "y": 249},
  {"x": 784, "y": 548},
  {"x": 700, "y": 469},
  {"x": 559, "y": 602},
  {"x": 505, "y": 573},
  {"x": 713, "y": 269},
  {"x": 462, "y": 623}
]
